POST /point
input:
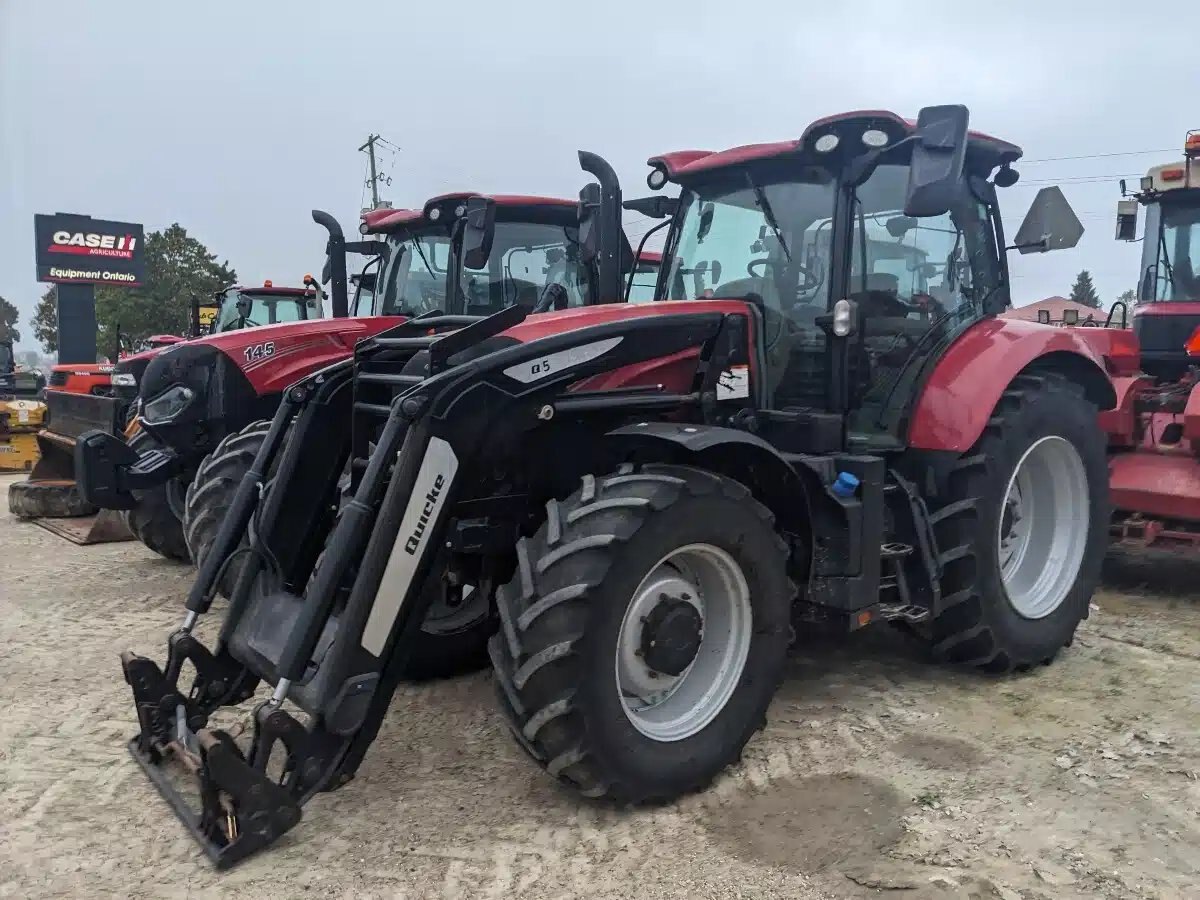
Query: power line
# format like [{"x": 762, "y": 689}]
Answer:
[{"x": 1046, "y": 159}]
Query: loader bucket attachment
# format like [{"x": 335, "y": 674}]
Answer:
[{"x": 51, "y": 497}]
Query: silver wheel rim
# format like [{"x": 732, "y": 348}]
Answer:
[
  {"x": 671, "y": 708},
  {"x": 1043, "y": 527},
  {"x": 456, "y": 609}
]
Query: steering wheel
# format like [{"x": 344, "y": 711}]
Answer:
[{"x": 810, "y": 276}]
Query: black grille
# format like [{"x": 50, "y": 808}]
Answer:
[{"x": 58, "y": 379}]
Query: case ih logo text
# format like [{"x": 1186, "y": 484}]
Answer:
[
  {"x": 90, "y": 243},
  {"x": 431, "y": 502}
]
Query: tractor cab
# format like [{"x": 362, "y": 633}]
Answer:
[
  {"x": 239, "y": 306},
  {"x": 471, "y": 254},
  {"x": 1168, "y": 292},
  {"x": 866, "y": 246}
]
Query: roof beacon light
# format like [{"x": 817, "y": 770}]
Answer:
[
  {"x": 1191, "y": 145},
  {"x": 268, "y": 283}
]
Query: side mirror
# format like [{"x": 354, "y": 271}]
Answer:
[
  {"x": 479, "y": 227},
  {"x": 656, "y": 207},
  {"x": 1127, "y": 216},
  {"x": 937, "y": 160},
  {"x": 899, "y": 226},
  {"x": 1050, "y": 224}
]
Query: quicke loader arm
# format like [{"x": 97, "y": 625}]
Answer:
[{"x": 332, "y": 637}]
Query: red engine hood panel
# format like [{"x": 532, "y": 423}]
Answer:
[
  {"x": 546, "y": 324},
  {"x": 274, "y": 356}
]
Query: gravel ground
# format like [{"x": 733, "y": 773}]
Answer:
[{"x": 876, "y": 773}]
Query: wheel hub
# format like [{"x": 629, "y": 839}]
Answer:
[
  {"x": 671, "y": 635},
  {"x": 683, "y": 642}
]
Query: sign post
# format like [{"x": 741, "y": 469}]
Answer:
[{"x": 76, "y": 253}]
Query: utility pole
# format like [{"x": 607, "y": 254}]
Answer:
[{"x": 369, "y": 146}]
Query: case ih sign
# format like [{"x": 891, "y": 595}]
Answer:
[{"x": 82, "y": 250}]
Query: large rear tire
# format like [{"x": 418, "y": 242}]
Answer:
[
  {"x": 1024, "y": 530},
  {"x": 155, "y": 521},
  {"x": 211, "y": 492},
  {"x": 644, "y": 632}
]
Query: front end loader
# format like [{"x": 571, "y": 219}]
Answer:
[{"x": 797, "y": 430}]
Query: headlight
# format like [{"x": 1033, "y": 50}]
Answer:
[
  {"x": 167, "y": 405},
  {"x": 124, "y": 379}
]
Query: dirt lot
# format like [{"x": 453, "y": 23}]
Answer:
[{"x": 877, "y": 774}]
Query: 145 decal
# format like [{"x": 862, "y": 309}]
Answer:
[{"x": 256, "y": 352}]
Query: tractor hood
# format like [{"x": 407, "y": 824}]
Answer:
[{"x": 274, "y": 356}]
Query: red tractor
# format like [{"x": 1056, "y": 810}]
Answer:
[
  {"x": 798, "y": 430},
  {"x": 204, "y": 405},
  {"x": 83, "y": 397},
  {"x": 1154, "y": 431}
]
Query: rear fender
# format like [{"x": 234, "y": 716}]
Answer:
[
  {"x": 958, "y": 397},
  {"x": 786, "y": 490}
]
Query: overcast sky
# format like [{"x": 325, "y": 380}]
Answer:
[{"x": 237, "y": 118}]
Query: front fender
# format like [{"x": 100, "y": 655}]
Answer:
[
  {"x": 788, "y": 491},
  {"x": 958, "y": 397}
]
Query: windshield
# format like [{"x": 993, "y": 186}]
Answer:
[
  {"x": 265, "y": 309},
  {"x": 1171, "y": 264},
  {"x": 525, "y": 258},
  {"x": 643, "y": 282},
  {"x": 412, "y": 274},
  {"x": 761, "y": 241}
]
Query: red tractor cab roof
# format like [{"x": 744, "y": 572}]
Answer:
[
  {"x": 162, "y": 340},
  {"x": 270, "y": 289},
  {"x": 444, "y": 208},
  {"x": 684, "y": 164}
]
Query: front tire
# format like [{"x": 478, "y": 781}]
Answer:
[
  {"x": 1024, "y": 530},
  {"x": 638, "y": 579},
  {"x": 155, "y": 521},
  {"x": 211, "y": 492}
]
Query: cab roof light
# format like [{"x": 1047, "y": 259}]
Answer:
[
  {"x": 268, "y": 283},
  {"x": 1191, "y": 145},
  {"x": 1147, "y": 183},
  {"x": 1173, "y": 174}
]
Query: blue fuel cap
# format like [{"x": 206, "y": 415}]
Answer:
[{"x": 846, "y": 484}]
